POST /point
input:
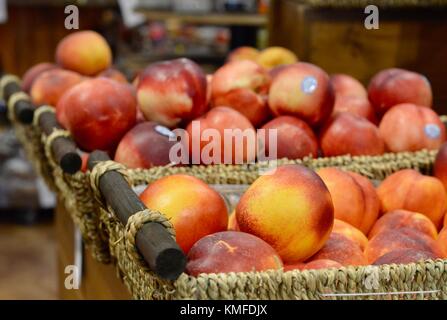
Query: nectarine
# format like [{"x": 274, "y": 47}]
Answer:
[
  {"x": 272, "y": 57},
  {"x": 350, "y": 232},
  {"x": 32, "y": 73},
  {"x": 291, "y": 209},
  {"x": 425, "y": 132},
  {"x": 410, "y": 190},
  {"x": 322, "y": 264},
  {"x": 442, "y": 242},
  {"x": 194, "y": 208},
  {"x": 405, "y": 256},
  {"x": 354, "y": 197},
  {"x": 302, "y": 90},
  {"x": 231, "y": 251},
  {"x": 440, "y": 166},
  {"x": 243, "y": 53},
  {"x": 397, "y": 219},
  {"x": 86, "y": 52}
]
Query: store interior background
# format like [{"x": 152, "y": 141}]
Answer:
[{"x": 204, "y": 31}]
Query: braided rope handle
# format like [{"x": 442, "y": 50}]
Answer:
[
  {"x": 13, "y": 100},
  {"x": 38, "y": 113},
  {"x": 6, "y": 80},
  {"x": 48, "y": 142}
]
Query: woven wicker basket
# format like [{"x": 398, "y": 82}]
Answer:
[{"x": 424, "y": 280}]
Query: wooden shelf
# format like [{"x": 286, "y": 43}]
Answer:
[{"x": 217, "y": 19}]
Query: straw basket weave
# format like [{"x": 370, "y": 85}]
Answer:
[{"x": 424, "y": 280}]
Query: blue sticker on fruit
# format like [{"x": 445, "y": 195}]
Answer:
[
  {"x": 309, "y": 85},
  {"x": 165, "y": 131},
  {"x": 432, "y": 131}
]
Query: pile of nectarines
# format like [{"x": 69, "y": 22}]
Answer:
[
  {"x": 271, "y": 104},
  {"x": 293, "y": 218}
]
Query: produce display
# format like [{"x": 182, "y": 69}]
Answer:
[
  {"x": 291, "y": 218},
  {"x": 312, "y": 113}
]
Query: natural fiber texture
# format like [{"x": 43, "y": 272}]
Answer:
[
  {"x": 16, "y": 97},
  {"x": 5, "y": 80},
  {"x": 39, "y": 111},
  {"x": 48, "y": 143},
  {"x": 379, "y": 3}
]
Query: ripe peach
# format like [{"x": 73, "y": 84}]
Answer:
[
  {"x": 243, "y": 53},
  {"x": 302, "y": 90},
  {"x": 232, "y": 222},
  {"x": 86, "y": 52},
  {"x": 402, "y": 238},
  {"x": 442, "y": 242},
  {"x": 445, "y": 220},
  {"x": 51, "y": 85},
  {"x": 242, "y": 85},
  {"x": 440, "y": 167},
  {"x": 222, "y": 135},
  {"x": 145, "y": 146},
  {"x": 345, "y": 85},
  {"x": 425, "y": 132},
  {"x": 412, "y": 191},
  {"x": 347, "y": 133},
  {"x": 231, "y": 251},
  {"x": 341, "y": 249},
  {"x": 276, "y": 56},
  {"x": 404, "y": 219},
  {"x": 322, "y": 264},
  {"x": 356, "y": 105},
  {"x": 172, "y": 92},
  {"x": 291, "y": 209},
  {"x": 391, "y": 87},
  {"x": 350, "y": 232},
  {"x": 193, "y": 207},
  {"x": 114, "y": 74},
  {"x": 98, "y": 113},
  {"x": 354, "y": 197},
  {"x": 294, "y": 138},
  {"x": 35, "y": 71},
  {"x": 405, "y": 256}
]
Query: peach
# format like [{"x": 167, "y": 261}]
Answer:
[
  {"x": 350, "y": 232},
  {"x": 35, "y": 71},
  {"x": 291, "y": 209},
  {"x": 341, "y": 249},
  {"x": 85, "y": 52},
  {"x": 425, "y": 132},
  {"x": 442, "y": 242},
  {"x": 114, "y": 74},
  {"x": 231, "y": 251},
  {"x": 391, "y": 87},
  {"x": 242, "y": 85},
  {"x": 232, "y": 222},
  {"x": 51, "y": 85},
  {"x": 145, "y": 146},
  {"x": 276, "y": 56},
  {"x": 354, "y": 197},
  {"x": 322, "y": 264},
  {"x": 294, "y": 138},
  {"x": 347, "y": 133},
  {"x": 222, "y": 135},
  {"x": 194, "y": 208},
  {"x": 172, "y": 92},
  {"x": 345, "y": 85},
  {"x": 404, "y": 219},
  {"x": 412, "y": 191},
  {"x": 356, "y": 105},
  {"x": 302, "y": 90},
  {"x": 445, "y": 220},
  {"x": 405, "y": 256},
  {"x": 402, "y": 238},
  {"x": 440, "y": 166},
  {"x": 98, "y": 113},
  {"x": 243, "y": 53}
]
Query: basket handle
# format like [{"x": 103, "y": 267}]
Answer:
[
  {"x": 23, "y": 109},
  {"x": 153, "y": 241},
  {"x": 63, "y": 148}
]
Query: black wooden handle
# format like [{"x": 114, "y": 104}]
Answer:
[
  {"x": 155, "y": 244},
  {"x": 23, "y": 109},
  {"x": 64, "y": 149}
]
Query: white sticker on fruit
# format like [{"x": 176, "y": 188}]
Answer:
[
  {"x": 432, "y": 131},
  {"x": 309, "y": 85},
  {"x": 164, "y": 131}
]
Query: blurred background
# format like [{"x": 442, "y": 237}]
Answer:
[{"x": 331, "y": 34}]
